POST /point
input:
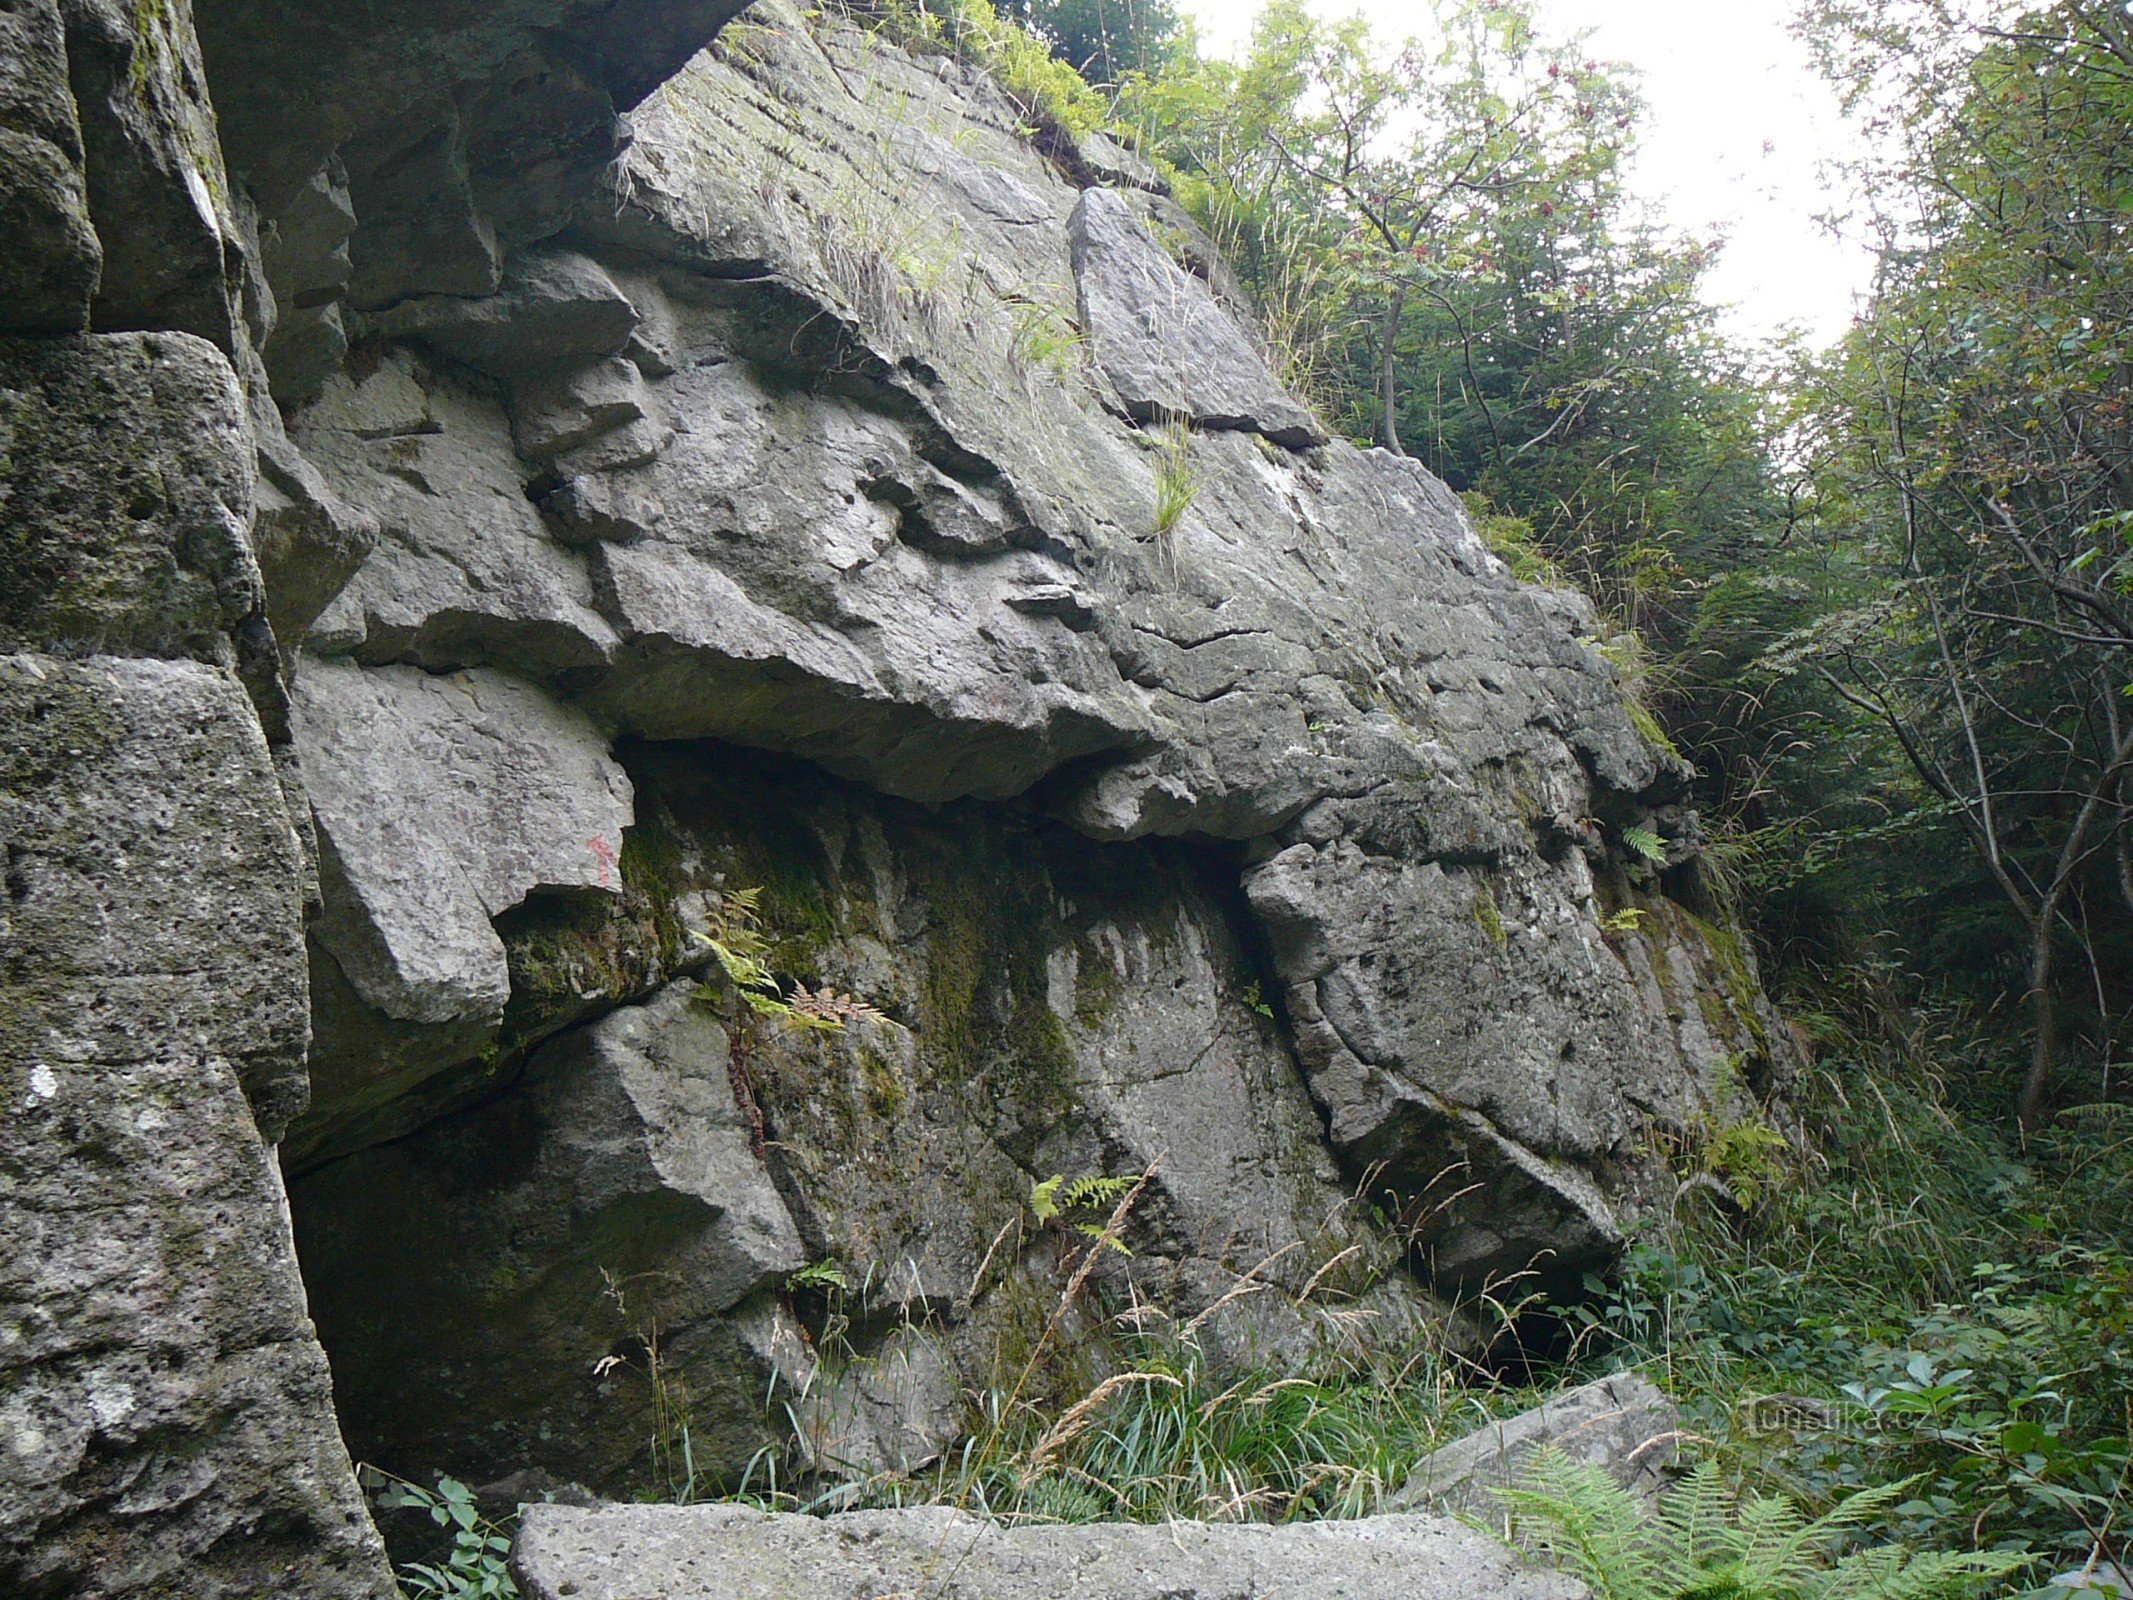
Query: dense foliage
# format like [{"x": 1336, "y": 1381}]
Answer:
[
  {"x": 1972, "y": 465},
  {"x": 1104, "y": 40}
]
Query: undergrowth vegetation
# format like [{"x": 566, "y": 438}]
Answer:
[
  {"x": 1705, "y": 1542},
  {"x": 1914, "y": 1295},
  {"x": 1901, "y": 1340},
  {"x": 1050, "y": 93}
]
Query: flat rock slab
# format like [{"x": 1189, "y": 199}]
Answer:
[{"x": 733, "y": 1553}]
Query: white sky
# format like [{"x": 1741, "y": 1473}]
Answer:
[{"x": 1736, "y": 126}]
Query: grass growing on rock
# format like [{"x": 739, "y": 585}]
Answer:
[{"x": 1164, "y": 1429}]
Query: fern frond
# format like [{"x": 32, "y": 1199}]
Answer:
[
  {"x": 1589, "y": 1524},
  {"x": 1096, "y": 1190},
  {"x": 827, "y": 1007},
  {"x": 1694, "y": 1516},
  {"x": 2098, "y": 1111},
  {"x": 1778, "y": 1546},
  {"x": 1701, "y": 1547},
  {"x": 1887, "y": 1572},
  {"x": 1646, "y": 843}
]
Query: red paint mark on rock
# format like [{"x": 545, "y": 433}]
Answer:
[{"x": 604, "y": 853}]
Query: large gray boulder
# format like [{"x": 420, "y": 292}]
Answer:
[
  {"x": 844, "y": 475},
  {"x": 442, "y": 802},
  {"x": 1622, "y": 1424},
  {"x": 807, "y": 413},
  {"x": 731, "y": 1553},
  {"x": 463, "y": 573}
]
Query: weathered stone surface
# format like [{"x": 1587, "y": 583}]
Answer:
[
  {"x": 575, "y": 407},
  {"x": 164, "y": 1418},
  {"x": 158, "y": 767},
  {"x": 1623, "y": 1424},
  {"x": 463, "y": 572},
  {"x": 172, "y": 257},
  {"x": 1401, "y": 978},
  {"x": 125, "y": 496},
  {"x": 622, "y": 1165},
  {"x": 2096, "y": 1578},
  {"x": 304, "y": 254},
  {"x": 892, "y": 1411},
  {"x": 938, "y": 574},
  {"x": 554, "y": 308},
  {"x": 786, "y": 599},
  {"x": 1169, "y": 351},
  {"x": 295, "y": 81},
  {"x": 421, "y": 231},
  {"x": 1065, "y": 1008},
  {"x": 813, "y": 420},
  {"x": 1100, "y": 159},
  {"x": 49, "y": 254},
  {"x": 730, "y": 1553},
  {"x": 442, "y": 802},
  {"x": 309, "y": 542},
  {"x": 1055, "y": 1007}
]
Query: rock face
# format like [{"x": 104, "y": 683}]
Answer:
[
  {"x": 440, "y": 803},
  {"x": 164, "y": 1408},
  {"x": 50, "y": 257},
  {"x": 617, "y": 1187},
  {"x": 494, "y": 499},
  {"x": 1623, "y": 1423},
  {"x": 701, "y": 1552},
  {"x": 1169, "y": 352},
  {"x": 126, "y": 493},
  {"x": 1048, "y": 1006}
]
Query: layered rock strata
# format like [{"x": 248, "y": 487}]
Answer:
[{"x": 481, "y": 495}]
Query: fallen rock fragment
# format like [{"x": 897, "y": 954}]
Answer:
[{"x": 1622, "y": 1423}]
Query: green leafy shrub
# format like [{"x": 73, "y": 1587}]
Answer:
[
  {"x": 1928, "y": 1299},
  {"x": 475, "y": 1569},
  {"x": 1048, "y": 90}
]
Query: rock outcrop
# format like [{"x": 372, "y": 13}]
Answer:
[
  {"x": 701, "y": 1552},
  {"x": 165, "y": 1416},
  {"x": 484, "y": 493}
]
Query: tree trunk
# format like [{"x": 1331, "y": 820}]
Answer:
[
  {"x": 1388, "y": 394},
  {"x": 2044, "y": 1047}
]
